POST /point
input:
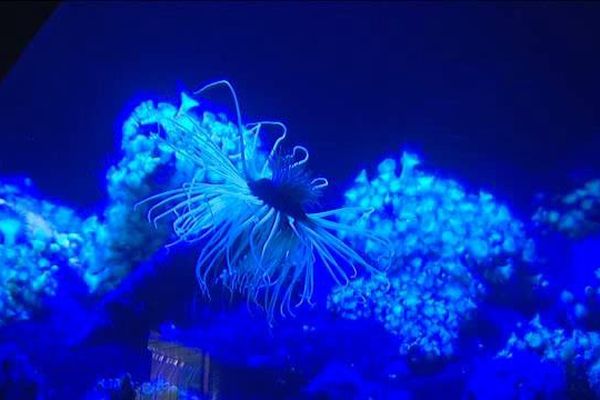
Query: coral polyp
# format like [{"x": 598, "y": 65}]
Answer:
[{"x": 255, "y": 217}]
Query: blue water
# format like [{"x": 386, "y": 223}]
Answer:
[{"x": 501, "y": 98}]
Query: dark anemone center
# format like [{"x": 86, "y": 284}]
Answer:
[{"x": 283, "y": 196}]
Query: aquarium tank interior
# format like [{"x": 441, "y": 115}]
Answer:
[{"x": 300, "y": 200}]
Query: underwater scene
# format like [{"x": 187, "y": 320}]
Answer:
[{"x": 302, "y": 200}]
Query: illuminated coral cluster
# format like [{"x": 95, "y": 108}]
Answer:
[
  {"x": 574, "y": 343},
  {"x": 431, "y": 218},
  {"x": 424, "y": 305},
  {"x": 577, "y": 349},
  {"x": 575, "y": 214},
  {"x": 121, "y": 238},
  {"x": 581, "y": 309},
  {"x": 555, "y": 344},
  {"x": 569, "y": 336},
  {"x": 37, "y": 239},
  {"x": 447, "y": 245}
]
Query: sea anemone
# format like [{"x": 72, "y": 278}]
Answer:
[{"x": 255, "y": 217}]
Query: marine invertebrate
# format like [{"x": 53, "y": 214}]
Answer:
[
  {"x": 449, "y": 247},
  {"x": 424, "y": 306},
  {"x": 567, "y": 333},
  {"x": 119, "y": 239},
  {"x": 255, "y": 219},
  {"x": 431, "y": 218},
  {"x": 578, "y": 350},
  {"x": 581, "y": 309},
  {"x": 37, "y": 240},
  {"x": 575, "y": 214},
  {"x": 553, "y": 344}
]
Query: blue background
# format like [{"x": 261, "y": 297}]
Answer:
[{"x": 503, "y": 96}]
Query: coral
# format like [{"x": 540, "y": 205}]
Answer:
[
  {"x": 423, "y": 305},
  {"x": 449, "y": 245},
  {"x": 37, "y": 239},
  {"x": 577, "y": 349},
  {"x": 431, "y": 218},
  {"x": 555, "y": 344},
  {"x": 121, "y": 238},
  {"x": 568, "y": 332},
  {"x": 575, "y": 214},
  {"x": 581, "y": 309}
]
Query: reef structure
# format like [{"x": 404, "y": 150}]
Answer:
[
  {"x": 449, "y": 247},
  {"x": 37, "y": 240},
  {"x": 578, "y": 350}
]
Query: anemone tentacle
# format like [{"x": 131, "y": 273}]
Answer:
[{"x": 254, "y": 222}]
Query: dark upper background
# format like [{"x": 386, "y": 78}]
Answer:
[{"x": 500, "y": 96}]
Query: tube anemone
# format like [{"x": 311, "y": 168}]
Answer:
[{"x": 254, "y": 220}]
